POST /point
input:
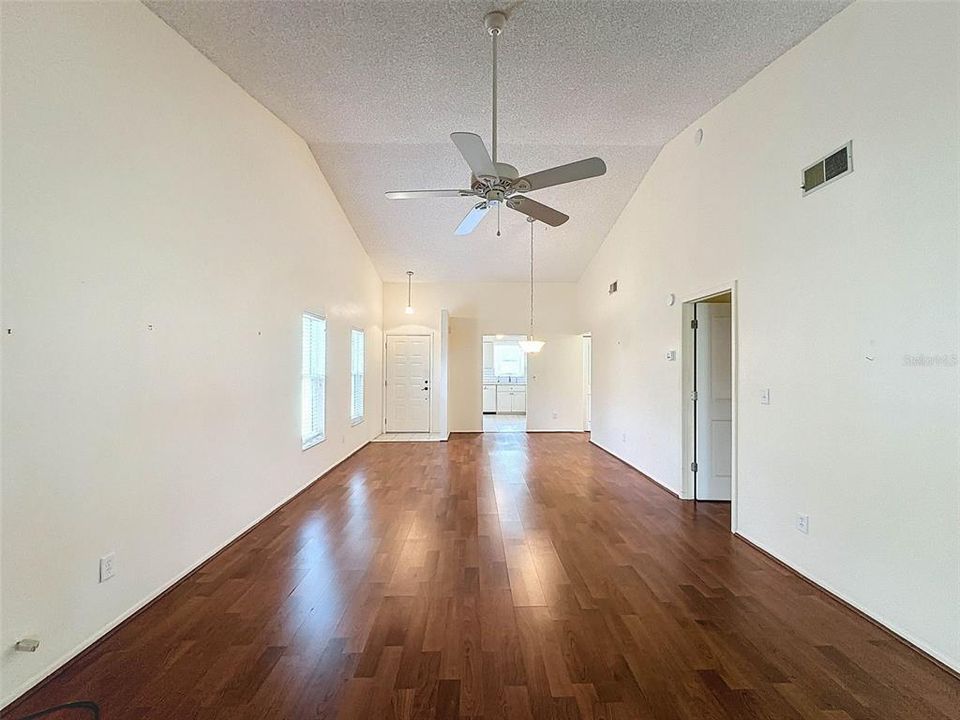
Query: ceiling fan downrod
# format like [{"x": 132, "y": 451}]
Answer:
[{"x": 494, "y": 22}]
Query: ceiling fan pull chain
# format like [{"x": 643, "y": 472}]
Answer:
[{"x": 498, "y": 219}]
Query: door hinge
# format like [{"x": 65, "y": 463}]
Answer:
[
  {"x": 693, "y": 395},
  {"x": 693, "y": 467},
  {"x": 694, "y": 323}
]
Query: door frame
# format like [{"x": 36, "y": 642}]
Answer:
[
  {"x": 383, "y": 388},
  {"x": 487, "y": 333},
  {"x": 687, "y": 384},
  {"x": 586, "y": 340}
]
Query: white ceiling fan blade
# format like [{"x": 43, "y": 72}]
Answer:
[
  {"x": 571, "y": 172},
  {"x": 537, "y": 211},
  {"x": 475, "y": 153},
  {"x": 472, "y": 219},
  {"x": 413, "y": 194}
]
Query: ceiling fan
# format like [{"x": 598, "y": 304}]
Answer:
[{"x": 497, "y": 183}]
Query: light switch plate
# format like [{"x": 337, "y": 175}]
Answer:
[
  {"x": 803, "y": 523},
  {"x": 671, "y": 355},
  {"x": 765, "y": 396}
]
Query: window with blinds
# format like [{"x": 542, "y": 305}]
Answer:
[
  {"x": 356, "y": 376},
  {"x": 313, "y": 380}
]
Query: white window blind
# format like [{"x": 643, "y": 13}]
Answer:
[
  {"x": 356, "y": 375},
  {"x": 313, "y": 380}
]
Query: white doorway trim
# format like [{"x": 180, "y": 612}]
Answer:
[
  {"x": 494, "y": 421},
  {"x": 687, "y": 384},
  {"x": 587, "y": 341},
  {"x": 383, "y": 388}
]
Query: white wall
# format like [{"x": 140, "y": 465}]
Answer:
[
  {"x": 865, "y": 267},
  {"x": 554, "y": 377},
  {"x": 143, "y": 189}
]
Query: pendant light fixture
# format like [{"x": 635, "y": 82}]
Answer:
[
  {"x": 530, "y": 345},
  {"x": 409, "y": 309}
]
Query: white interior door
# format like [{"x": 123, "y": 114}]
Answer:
[
  {"x": 714, "y": 401},
  {"x": 408, "y": 383}
]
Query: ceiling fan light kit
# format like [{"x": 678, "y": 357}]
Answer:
[{"x": 496, "y": 183}]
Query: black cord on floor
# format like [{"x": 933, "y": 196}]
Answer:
[{"x": 91, "y": 707}]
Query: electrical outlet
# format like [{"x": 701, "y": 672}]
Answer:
[
  {"x": 107, "y": 566},
  {"x": 623, "y": 437},
  {"x": 556, "y": 415},
  {"x": 803, "y": 523},
  {"x": 671, "y": 355},
  {"x": 765, "y": 396}
]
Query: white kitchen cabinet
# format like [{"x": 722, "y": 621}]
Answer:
[
  {"x": 511, "y": 399},
  {"x": 504, "y": 400},
  {"x": 489, "y": 398},
  {"x": 520, "y": 400},
  {"x": 487, "y": 358}
]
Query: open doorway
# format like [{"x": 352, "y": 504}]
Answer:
[
  {"x": 709, "y": 390},
  {"x": 504, "y": 384},
  {"x": 712, "y": 399}
]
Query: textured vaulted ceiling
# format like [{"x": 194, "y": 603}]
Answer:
[{"x": 375, "y": 88}]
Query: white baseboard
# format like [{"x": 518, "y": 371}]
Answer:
[
  {"x": 39, "y": 677},
  {"x": 643, "y": 472},
  {"x": 950, "y": 662},
  {"x": 553, "y": 430}
]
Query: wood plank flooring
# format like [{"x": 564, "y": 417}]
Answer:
[{"x": 506, "y": 576}]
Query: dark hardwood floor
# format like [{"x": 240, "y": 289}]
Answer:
[{"x": 498, "y": 576}]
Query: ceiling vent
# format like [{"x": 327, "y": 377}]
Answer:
[{"x": 826, "y": 170}]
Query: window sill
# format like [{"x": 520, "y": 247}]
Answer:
[
  {"x": 356, "y": 422},
  {"x": 307, "y": 444}
]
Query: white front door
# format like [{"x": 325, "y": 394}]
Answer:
[
  {"x": 408, "y": 383},
  {"x": 714, "y": 403}
]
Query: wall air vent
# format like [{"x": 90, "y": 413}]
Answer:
[
  {"x": 826, "y": 170},
  {"x": 613, "y": 288}
]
